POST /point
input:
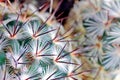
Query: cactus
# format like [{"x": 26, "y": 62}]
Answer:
[
  {"x": 32, "y": 47},
  {"x": 35, "y": 46}
]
